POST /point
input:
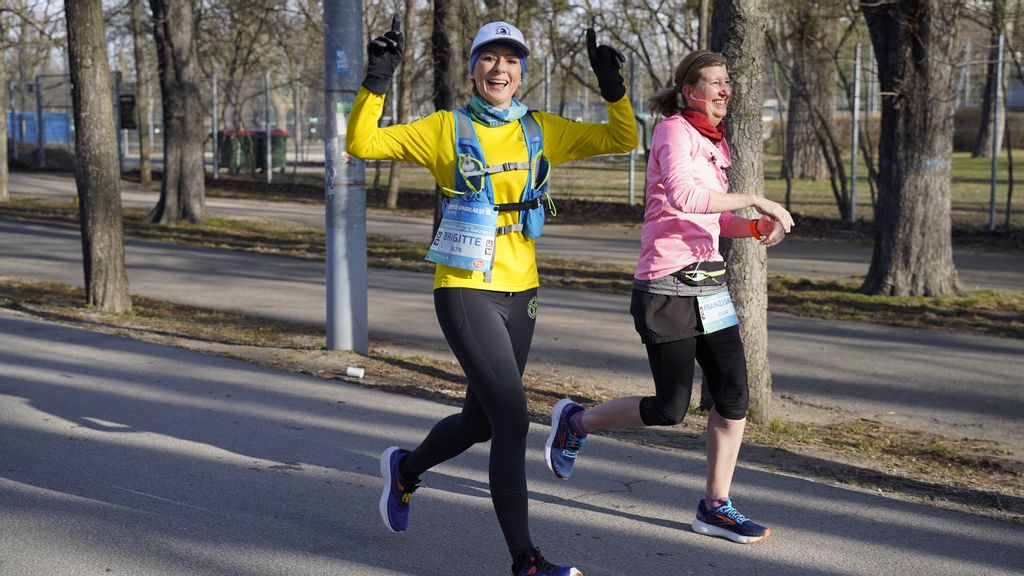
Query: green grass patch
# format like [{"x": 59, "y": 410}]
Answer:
[{"x": 985, "y": 312}]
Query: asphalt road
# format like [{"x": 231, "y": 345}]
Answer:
[
  {"x": 127, "y": 458},
  {"x": 954, "y": 384},
  {"x": 123, "y": 457}
]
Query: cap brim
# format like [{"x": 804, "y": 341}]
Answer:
[{"x": 512, "y": 41}]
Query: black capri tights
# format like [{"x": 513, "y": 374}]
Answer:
[
  {"x": 490, "y": 334},
  {"x": 720, "y": 355}
]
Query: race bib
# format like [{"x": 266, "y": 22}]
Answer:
[
  {"x": 717, "y": 312},
  {"x": 465, "y": 237}
]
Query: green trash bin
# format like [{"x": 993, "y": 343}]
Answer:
[
  {"x": 278, "y": 148},
  {"x": 236, "y": 150},
  {"x": 247, "y": 149}
]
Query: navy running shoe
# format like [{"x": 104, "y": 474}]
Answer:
[
  {"x": 394, "y": 500},
  {"x": 563, "y": 445},
  {"x": 538, "y": 566},
  {"x": 726, "y": 522}
]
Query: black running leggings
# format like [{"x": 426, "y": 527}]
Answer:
[
  {"x": 720, "y": 355},
  {"x": 490, "y": 334}
]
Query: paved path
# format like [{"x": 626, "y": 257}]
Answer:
[
  {"x": 615, "y": 244},
  {"x": 127, "y": 458},
  {"x": 953, "y": 384}
]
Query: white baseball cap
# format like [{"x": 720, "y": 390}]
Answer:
[{"x": 499, "y": 31}]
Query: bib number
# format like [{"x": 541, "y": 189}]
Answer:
[
  {"x": 465, "y": 237},
  {"x": 717, "y": 312}
]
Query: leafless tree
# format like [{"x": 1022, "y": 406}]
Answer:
[
  {"x": 182, "y": 192},
  {"x": 406, "y": 74},
  {"x": 738, "y": 32},
  {"x": 915, "y": 47},
  {"x": 23, "y": 25},
  {"x": 96, "y": 173},
  {"x": 455, "y": 24},
  {"x": 812, "y": 96},
  {"x": 141, "y": 90},
  {"x": 992, "y": 98}
]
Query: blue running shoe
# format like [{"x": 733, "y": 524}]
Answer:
[
  {"x": 563, "y": 445},
  {"x": 536, "y": 565},
  {"x": 726, "y": 522},
  {"x": 394, "y": 501}
]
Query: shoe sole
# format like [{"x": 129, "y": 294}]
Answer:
[
  {"x": 709, "y": 530},
  {"x": 556, "y": 412},
  {"x": 385, "y": 474}
]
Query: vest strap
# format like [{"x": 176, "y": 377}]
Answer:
[
  {"x": 517, "y": 227},
  {"x": 483, "y": 170},
  {"x": 519, "y": 206}
]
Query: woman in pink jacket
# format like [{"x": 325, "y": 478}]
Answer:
[{"x": 680, "y": 304}]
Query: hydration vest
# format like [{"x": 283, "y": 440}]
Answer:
[{"x": 470, "y": 163}]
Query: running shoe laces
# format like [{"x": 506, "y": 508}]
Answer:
[
  {"x": 726, "y": 522},
  {"x": 731, "y": 512}
]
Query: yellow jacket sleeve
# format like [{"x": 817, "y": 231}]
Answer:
[
  {"x": 565, "y": 140},
  {"x": 419, "y": 142}
]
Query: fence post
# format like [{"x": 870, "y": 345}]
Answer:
[
  {"x": 117, "y": 122},
  {"x": 854, "y": 129},
  {"x": 40, "y": 136},
  {"x": 268, "y": 157},
  {"x": 632, "y": 153},
  {"x": 216, "y": 134},
  {"x": 547, "y": 85},
  {"x": 995, "y": 140}
]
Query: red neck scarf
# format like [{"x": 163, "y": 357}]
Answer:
[{"x": 703, "y": 124}]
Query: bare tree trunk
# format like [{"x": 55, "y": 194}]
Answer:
[
  {"x": 405, "y": 80},
  {"x": 141, "y": 90},
  {"x": 455, "y": 24},
  {"x": 5, "y": 193},
  {"x": 983, "y": 143},
  {"x": 913, "y": 252},
  {"x": 739, "y": 34},
  {"x": 182, "y": 192},
  {"x": 813, "y": 94},
  {"x": 96, "y": 170},
  {"x": 705, "y": 25}
]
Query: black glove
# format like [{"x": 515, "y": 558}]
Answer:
[
  {"x": 606, "y": 62},
  {"x": 383, "y": 55}
]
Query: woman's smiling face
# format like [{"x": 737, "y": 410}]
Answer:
[{"x": 497, "y": 75}]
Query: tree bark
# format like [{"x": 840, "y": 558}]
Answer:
[
  {"x": 738, "y": 33},
  {"x": 913, "y": 252},
  {"x": 405, "y": 80},
  {"x": 141, "y": 92},
  {"x": 5, "y": 194},
  {"x": 182, "y": 192},
  {"x": 812, "y": 98},
  {"x": 455, "y": 24},
  {"x": 96, "y": 170},
  {"x": 992, "y": 99},
  {"x": 704, "y": 25}
]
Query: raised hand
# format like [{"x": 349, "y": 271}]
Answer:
[
  {"x": 606, "y": 62},
  {"x": 383, "y": 55}
]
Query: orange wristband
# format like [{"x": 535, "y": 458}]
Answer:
[{"x": 753, "y": 229}]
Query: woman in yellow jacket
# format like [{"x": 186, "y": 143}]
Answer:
[{"x": 492, "y": 159}]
